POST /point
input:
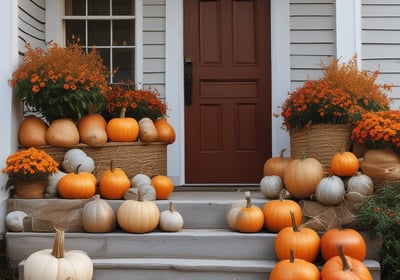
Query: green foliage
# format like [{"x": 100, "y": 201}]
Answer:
[{"x": 380, "y": 216}]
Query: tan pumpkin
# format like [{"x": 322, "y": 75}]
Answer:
[
  {"x": 32, "y": 132},
  {"x": 147, "y": 130},
  {"x": 98, "y": 216},
  {"x": 231, "y": 216},
  {"x": 93, "y": 130},
  {"x": 146, "y": 192},
  {"x": 381, "y": 165},
  {"x": 276, "y": 165},
  {"x": 302, "y": 177},
  {"x": 63, "y": 133},
  {"x": 140, "y": 216},
  {"x": 56, "y": 263},
  {"x": 171, "y": 220}
]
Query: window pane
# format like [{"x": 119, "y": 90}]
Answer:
[
  {"x": 76, "y": 28},
  {"x": 124, "y": 59},
  {"x": 98, "y": 7},
  {"x": 99, "y": 33},
  {"x": 123, "y": 7},
  {"x": 75, "y": 7},
  {"x": 123, "y": 33},
  {"x": 105, "y": 55}
]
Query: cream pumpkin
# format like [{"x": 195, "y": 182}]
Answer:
[{"x": 63, "y": 133}]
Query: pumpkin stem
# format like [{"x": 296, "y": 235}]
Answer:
[
  {"x": 291, "y": 256},
  {"x": 282, "y": 194},
  {"x": 123, "y": 112},
  {"x": 281, "y": 152},
  {"x": 171, "y": 207},
  {"x": 76, "y": 171},
  {"x": 112, "y": 168},
  {"x": 58, "y": 247},
  {"x": 346, "y": 265},
  {"x": 248, "y": 199},
  {"x": 294, "y": 226}
]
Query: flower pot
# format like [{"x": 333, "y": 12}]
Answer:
[{"x": 30, "y": 188}]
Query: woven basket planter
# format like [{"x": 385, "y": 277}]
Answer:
[{"x": 320, "y": 141}]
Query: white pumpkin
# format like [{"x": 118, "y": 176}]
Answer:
[
  {"x": 75, "y": 157},
  {"x": 330, "y": 190},
  {"x": 171, "y": 220},
  {"x": 98, "y": 216},
  {"x": 52, "y": 182},
  {"x": 360, "y": 183},
  {"x": 233, "y": 212},
  {"x": 140, "y": 179},
  {"x": 15, "y": 220},
  {"x": 144, "y": 192},
  {"x": 271, "y": 186}
]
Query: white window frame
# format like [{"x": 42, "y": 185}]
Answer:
[{"x": 55, "y": 31}]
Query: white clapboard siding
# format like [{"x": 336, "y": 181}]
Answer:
[
  {"x": 312, "y": 38},
  {"x": 31, "y": 24},
  {"x": 380, "y": 37},
  {"x": 154, "y": 44}
]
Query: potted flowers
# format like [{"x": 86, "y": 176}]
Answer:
[
  {"x": 319, "y": 115},
  {"x": 28, "y": 170},
  {"x": 61, "y": 82}
]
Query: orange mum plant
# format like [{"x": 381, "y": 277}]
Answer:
[
  {"x": 139, "y": 103},
  {"x": 61, "y": 82},
  {"x": 30, "y": 164},
  {"x": 379, "y": 130},
  {"x": 340, "y": 96}
]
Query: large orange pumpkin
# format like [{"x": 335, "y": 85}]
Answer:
[
  {"x": 77, "y": 185},
  {"x": 302, "y": 177},
  {"x": 123, "y": 129},
  {"x": 352, "y": 242},
  {"x": 344, "y": 164},
  {"x": 303, "y": 241},
  {"x": 166, "y": 132},
  {"x": 114, "y": 183},
  {"x": 32, "y": 132},
  {"x": 276, "y": 165}
]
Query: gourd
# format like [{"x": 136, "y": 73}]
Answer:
[
  {"x": 98, "y": 216},
  {"x": 250, "y": 218},
  {"x": 147, "y": 130},
  {"x": 294, "y": 269},
  {"x": 77, "y": 185},
  {"x": 15, "y": 220},
  {"x": 344, "y": 164},
  {"x": 276, "y": 165},
  {"x": 231, "y": 216},
  {"x": 352, "y": 242},
  {"x": 302, "y": 177},
  {"x": 163, "y": 186},
  {"x": 75, "y": 157},
  {"x": 147, "y": 192},
  {"x": 93, "y": 130},
  {"x": 271, "y": 186},
  {"x": 359, "y": 186},
  {"x": 343, "y": 267},
  {"x": 123, "y": 129},
  {"x": 140, "y": 179},
  {"x": 56, "y": 263},
  {"x": 166, "y": 132},
  {"x": 52, "y": 182},
  {"x": 139, "y": 216},
  {"x": 62, "y": 133},
  {"x": 330, "y": 190},
  {"x": 171, "y": 220},
  {"x": 303, "y": 241},
  {"x": 277, "y": 213},
  {"x": 32, "y": 132},
  {"x": 114, "y": 183}
]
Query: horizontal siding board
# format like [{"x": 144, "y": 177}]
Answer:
[
  {"x": 317, "y": 9},
  {"x": 154, "y": 10},
  {"x": 154, "y": 38},
  {"x": 153, "y": 24},
  {"x": 381, "y": 37},
  {"x": 384, "y": 66},
  {"x": 154, "y": 51},
  {"x": 311, "y": 23},
  {"x": 379, "y": 51},
  {"x": 153, "y": 78},
  {"x": 380, "y": 10},
  {"x": 379, "y": 23},
  {"x": 305, "y": 74},
  {"x": 313, "y": 49},
  {"x": 308, "y": 62},
  {"x": 154, "y": 65},
  {"x": 312, "y": 36}
]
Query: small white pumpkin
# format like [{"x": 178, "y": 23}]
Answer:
[
  {"x": 360, "y": 183},
  {"x": 15, "y": 220},
  {"x": 98, "y": 216},
  {"x": 75, "y": 157},
  {"x": 330, "y": 190},
  {"x": 52, "y": 182},
  {"x": 146, "y": 192},
  {"x": 233, "y": 212},
  {"x": 140, "y": 179},
  {"x": 171, "y": 220},
  {"x": 271, "y": 186}
]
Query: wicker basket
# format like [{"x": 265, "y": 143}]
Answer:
[{"x": 320, "y": 141}]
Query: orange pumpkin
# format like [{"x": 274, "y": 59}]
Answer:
[
  {"x": 32, "y": 132},
  {"x": 114, "y": 183},
  {"x": 302, "y": 177},
  {"x": 123, "y": 129},
  {"x": 344, "y": 164},
  {"x": 63, "y": 133},
  {"x": 93, "y": 130},
  {"x": 304, "y": 242},
  {"x": 277, "y": 214},
  {"x": 250, "y": 218},
  {"x": 77, "y": 185},
  {"x": 294, "y": 269},
  {"x": 166, "y": 132},
  {"x": 276, "y": 165},
  {"x": 343, "y": 267},
  {"x": 352, "y": 242},
  {"x": 163, "y": 186}
]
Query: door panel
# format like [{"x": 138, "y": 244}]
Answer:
[{"x": 228, "y": 122}]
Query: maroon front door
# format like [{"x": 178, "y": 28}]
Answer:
[{"x": 228, "y": 102}]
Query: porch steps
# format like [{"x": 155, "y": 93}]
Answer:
[{"x": 204, "y": 249}]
